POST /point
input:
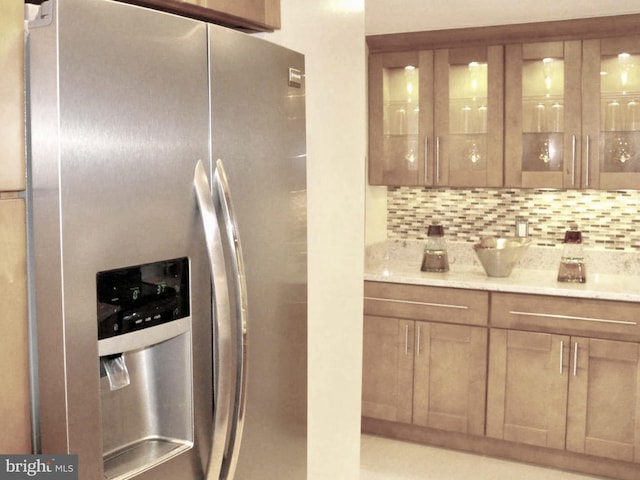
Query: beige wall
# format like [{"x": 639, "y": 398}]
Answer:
[
  {"x": 331, "y": 35},
  {"x": 15, "y": 426}
]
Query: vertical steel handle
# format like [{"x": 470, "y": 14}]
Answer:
[
  {"x": 588, "y": 160},
  {"x": 418, "y": 333},
  {"x": 406, "y": 340},
  {"x": 561, "y": 355},
  {"x": 223, "y": 196},
  {"x": 437, "y": 175},
  {"x": 221, "y": 322},
  {"x": 426, "y": 160},
  {"x": 575, "y": 360},
  {"x": 573, "y": 160}
]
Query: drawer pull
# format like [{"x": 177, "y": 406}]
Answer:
[
  {"x": 411, "y": 302},
  {"x": 571, "y": 317}
]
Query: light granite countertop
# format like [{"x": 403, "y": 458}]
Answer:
[{"x": 610, "y": 275}]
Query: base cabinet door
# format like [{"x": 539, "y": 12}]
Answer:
[
  {"x": 527, "y": 388},
  {"x": 450, "y": 377},
  {"x": 604, "y": 399},
  {"x": 387, "y": 376}
]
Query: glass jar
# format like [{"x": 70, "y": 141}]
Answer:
[
  {"x": 572, "y": 268},
  {"x": 435, "y": 257}
]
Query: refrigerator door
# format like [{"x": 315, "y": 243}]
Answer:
[
  {"x": 119, "y": 117},
  {"x": 258, "y": 131}
]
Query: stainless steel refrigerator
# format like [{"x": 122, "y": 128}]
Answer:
[{"x": 167, "y": 245}]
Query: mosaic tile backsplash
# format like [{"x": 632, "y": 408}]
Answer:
[{"x": 608, "y": 219}]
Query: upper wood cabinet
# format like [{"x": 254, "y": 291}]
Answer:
[
  {"x": 561, "y": 106},
  {"x": 251, "y": 15},
  {"x": 573, "y": 114},
  {"x": 436, "y": 117},
  {"x": 543, "y": 116},
  {"x": 611, "y": 113}
]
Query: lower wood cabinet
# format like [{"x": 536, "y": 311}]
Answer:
[
  {"x": 603, "y": 414},
  {"x": 449, "y": 381},
  {"x": 556, "y": 391},
  {"x": 527, "y": 392},
  {"x": 387, "y": 373},
  {"x": 547, "y": 380},
  {"x": 577, "y": 389},
  {"x": 425, "y": 373}
]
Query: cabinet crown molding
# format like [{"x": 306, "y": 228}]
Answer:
[{"x": 581, "y": 28}]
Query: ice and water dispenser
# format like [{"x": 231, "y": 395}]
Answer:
[{"x": 144, "y": 343}]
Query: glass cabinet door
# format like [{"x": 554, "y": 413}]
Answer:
[
  {"x": 543, "y": 118},
  {"x": 611, "y": 108},
  {"x": 400, "y": 117},
  {"x": 468, "y": 117}
]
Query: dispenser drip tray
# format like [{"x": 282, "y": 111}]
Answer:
[{"x": 140, "y": 456}]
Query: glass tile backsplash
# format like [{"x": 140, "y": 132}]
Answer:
[{"x": 607, "y": 219}]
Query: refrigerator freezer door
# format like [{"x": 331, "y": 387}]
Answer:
[
  {"x": 119, "y": 117},
  {"x": 258, "y": 130}
]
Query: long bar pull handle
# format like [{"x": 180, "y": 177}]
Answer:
[
  {"x": 223, "y": 196},
  {"x": 573, "y": 160},
  {"x": 575, "y": 360},
  {"x": 221, "y": 323},
  {"x": 406, "y": 340},
  {"x": 418, "y": 334},
  {"x": 426, "y": 160},
  {"x": 573, "y": 317},
  {"x": 588, "y": 160},
  {"x": 437, "y": 175},
  {"x": 561, "y": 355}
]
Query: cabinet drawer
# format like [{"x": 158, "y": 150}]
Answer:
[
  {"x": 451, "y": 305},
  {"x": 571, "y": 316}
]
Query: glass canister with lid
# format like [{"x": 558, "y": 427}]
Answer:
[
  {"x": 435, "y": 258},
  {"x": 572, "y": 267}
]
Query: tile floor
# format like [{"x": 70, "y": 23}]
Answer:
[{"x": 384, "y": 459}]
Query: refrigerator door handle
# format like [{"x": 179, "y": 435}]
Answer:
[
  {"x": 222, "y": 336},
  {"x": 223, "y": 196}
]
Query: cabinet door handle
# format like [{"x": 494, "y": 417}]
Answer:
[
  {"x": 588, "y": 159},
  {"x": 406, "y": 340},
  {"x": 561, "y": 355},
  {"x": 573, "y": 160},
  {"x": 412, "y": 302},
  {"x": 418, "y": 341},
  {"x": 572, "y": 317},
  {"x": 426, "y": 160},
  {"x": 575, "y": 360},
  {"x": 437, "y": 160}
]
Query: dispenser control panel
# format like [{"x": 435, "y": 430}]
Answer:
[{"x": 142, "y": 296}]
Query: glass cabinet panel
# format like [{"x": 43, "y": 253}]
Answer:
[
  {"x": 400, "y": 92},
  {"x": 400, "y": 117},
  {"x": 611, "y": 112},
  {"x": 620, "y": 111},
  {"x": 468, "y": 116},
  {"x": 543, "y": 116}
]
